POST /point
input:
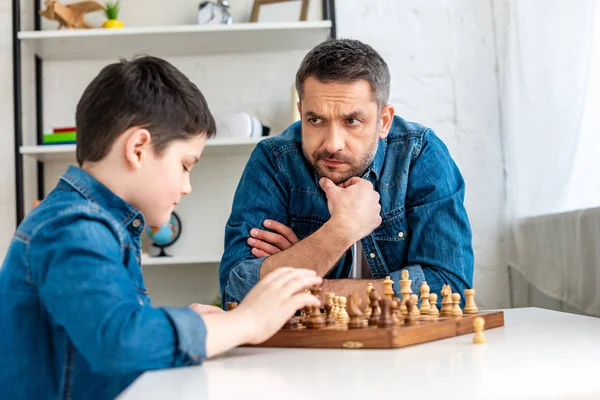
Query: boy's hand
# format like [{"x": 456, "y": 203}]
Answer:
[
  {"x": 274, "y": 300},
  {"x": 203, "y": 309},
  {"x": 265, "y": 244}
]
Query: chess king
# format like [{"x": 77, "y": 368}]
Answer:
[{"x": 349, "y": 180}]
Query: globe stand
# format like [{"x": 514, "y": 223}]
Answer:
[{"x": 162, "y": 251}]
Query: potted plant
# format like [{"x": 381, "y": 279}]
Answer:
[{"x": 112, "y": 14}]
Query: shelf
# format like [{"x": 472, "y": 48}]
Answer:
[
  {"x": 183, "y": 40},
  {"x": 66, "y": 152},
  {"x": 181, "y": 260}
]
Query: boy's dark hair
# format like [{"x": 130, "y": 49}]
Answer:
[
  {"x": 148, "y": 92},
  {"x": 346, "y": 61}
]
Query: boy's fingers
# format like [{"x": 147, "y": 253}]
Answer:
[
  {"x": 271, "y": 276},
  {"x": 301, "y": 300},
  {"x": 282, "y": 280},
  {"x": 298, "y": 284}
]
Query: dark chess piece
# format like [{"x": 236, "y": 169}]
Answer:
[
  {"x": 385, "y": 320},
  {"x": 409, "y": 318},
  {"x": 355, "y": 312},
  {"x": 375, "y": 311}
]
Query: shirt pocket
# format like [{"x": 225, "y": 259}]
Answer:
[
  {"x": 391, "y": 237},
  {"x": 305, "y": 226}
]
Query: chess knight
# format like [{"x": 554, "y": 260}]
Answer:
[{"x": 70, "y": 15}]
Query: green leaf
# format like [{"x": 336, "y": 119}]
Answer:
[{"x": 112, "y": 9}]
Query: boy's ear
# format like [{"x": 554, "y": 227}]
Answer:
[{"x": 137, "y": 146}]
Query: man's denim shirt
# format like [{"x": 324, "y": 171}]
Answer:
[
  {"x": 424, "y": 229},
  {"x": 76, "y": 318}
]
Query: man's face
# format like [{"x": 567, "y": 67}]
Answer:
[{"x": 341, "y": 126}]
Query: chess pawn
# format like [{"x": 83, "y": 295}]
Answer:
[
  {"x": 385, "y": 320},
  {"x": 355, "y": 313},
  {"x": 424, "y": 298},
  {"x": 375, "y": 310},
  {"x": 395, "y": 311},
  {"x": 405, "y": 290},
  {"x": 388, "y": 292},
  {"x": 410, "y": 315},
  {"x": 343, "y": 317},
  {"x": 329, "y": 319},
  {"x": 367, "y": 313},
  {"x": 415, "y": 300},
  {"x": 456, "y": 311},
  {"x": 433, "y": 310},
  {"x": 478, "y": 325},
  {"x": 470, "y": 306},
  {"x": 336, "y": 307}
]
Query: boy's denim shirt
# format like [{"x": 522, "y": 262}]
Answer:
[
  {"x": 76, "y": 318},
  {"x": 424, "y": 229}
]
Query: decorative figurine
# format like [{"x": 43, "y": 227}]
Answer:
[{"x": 214, "y": 13}]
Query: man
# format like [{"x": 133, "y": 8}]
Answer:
[{"x": 349, "y": 172}]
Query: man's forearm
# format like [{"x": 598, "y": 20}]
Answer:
[{"x": 319, "y": 252}]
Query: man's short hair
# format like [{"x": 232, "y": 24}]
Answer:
[{"x": 346, "y": 61}]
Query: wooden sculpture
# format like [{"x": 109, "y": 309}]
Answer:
[{"x": 70, "y": 15}]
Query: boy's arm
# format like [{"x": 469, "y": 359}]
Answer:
[
  {"x": 87, "y": 290},
  {"x": 85, "y": 287}
]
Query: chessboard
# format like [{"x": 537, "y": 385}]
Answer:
[
  {"x": 385, "y": 322},
  {"x": 421, "y": 330}
]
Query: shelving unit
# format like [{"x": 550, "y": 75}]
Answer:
[
  {"x": 162, "y": 41},
  {"x": 66, "y": 152}
]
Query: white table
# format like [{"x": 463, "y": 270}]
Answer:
[{"x": 538, "y": 354}]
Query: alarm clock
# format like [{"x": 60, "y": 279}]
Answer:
[{"x": 210, "y": 12}]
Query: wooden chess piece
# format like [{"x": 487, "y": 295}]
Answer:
[
  {"x": 446, "y": 301},
  {"x": 336, "y": 307},
  {"x": 329, "y": 319},
  {"x": 388, "y": 292},
  {"x": 405, "y": 290},
  {"x": 395, "y": 310},
  {"x": 306, "y": 319},
  {"x": 470, "y": 306},
  {"x": 415, "y": 300},
  {"x": 291, "y": 323},
  {"x": 385, "y": 320},
  {"x": 424, "y": 298},
  {"x": 375, "y": 310},
  {"x": 343, "y": 317},
  {"x": 369, "y": 289},
  {"x": 230, "y": 305},
  {"x": 355, "y": 313},
  {"x": 317, "y": 321},
  {"x": 433, "y": 310},
  {"x": 456, "y": 311},
  {"x": 478, "y": 325},
  {"x": 70, "y": 15},
  {"x": 410, "y": 315}
]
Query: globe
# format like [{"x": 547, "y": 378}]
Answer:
[{"x": 165, "y": 235}]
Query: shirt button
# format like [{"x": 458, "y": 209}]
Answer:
[
  {"x": 136, "y": 223},
  {"x": 400, "y": 235},
  {"x": 372, "y": 255}
]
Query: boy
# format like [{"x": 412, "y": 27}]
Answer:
[{"x": 76, "y": 319}]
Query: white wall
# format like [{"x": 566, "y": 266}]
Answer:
[{"x": 442, "y": 60}]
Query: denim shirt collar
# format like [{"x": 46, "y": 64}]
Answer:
[{"x": 91, "y": 189}]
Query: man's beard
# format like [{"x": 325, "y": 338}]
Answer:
[{"x": 357, "y": 168}]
